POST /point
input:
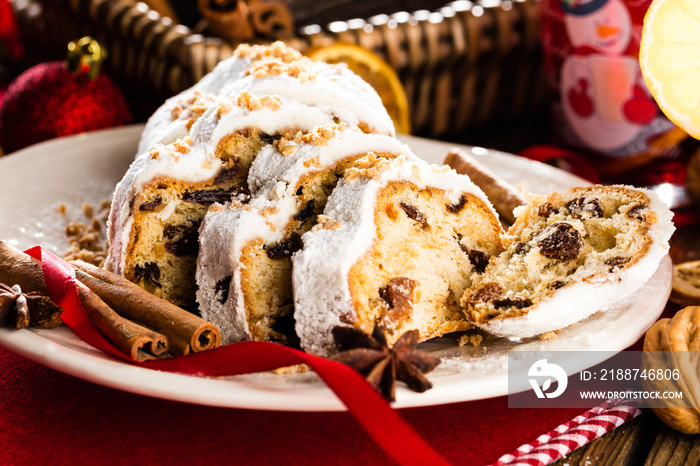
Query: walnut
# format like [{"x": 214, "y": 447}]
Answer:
[{"x": 672, "y": 345}]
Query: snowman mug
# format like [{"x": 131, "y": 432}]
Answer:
[{"x": 600, "y": 103}]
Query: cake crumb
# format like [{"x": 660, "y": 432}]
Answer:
[
  {"x": 473, "y": 339},
  {"x": 62, "y": 209},
  {"x": 86, "y": 240},
  {"x": 267, "y": 211},
  {"x": 326, "y": 223},
  {"x": 295, "y": 369},
  {"x": 548, "y": 335},
  {"x": 277, "y": 49},
  {"x": 88, "y": 210}
]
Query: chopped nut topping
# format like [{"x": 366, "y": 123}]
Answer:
[
  {"x": 369, "y": 167},
  {"x": 191, "y": 108},
  {"x": 320, "y": 135},
  {"x": 285, "y": 147},
  {"x": 302, "y": 68},
  {"x": 473, "y": 339},
  {"x": 269, "y": 210},
  {"x": 325, "y": 223},
  {"x": 277, "y": 49},
  {"x": 315, "y": 161},
  {"x": 225, "y": 106}
]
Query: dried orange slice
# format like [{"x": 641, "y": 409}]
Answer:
[
  {"x": 669, "y": 56},
  {"x": 379, "y": 74}
]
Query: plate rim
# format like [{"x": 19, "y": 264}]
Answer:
[{"x": 48, "y": 352}]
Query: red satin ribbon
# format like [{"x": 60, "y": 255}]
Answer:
[{"x": 375, "y": 415}]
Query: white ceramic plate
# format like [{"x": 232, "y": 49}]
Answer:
[{"x": 73, "y": 170}]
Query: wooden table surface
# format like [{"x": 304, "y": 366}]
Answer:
[{"x": 643, "y": 441}]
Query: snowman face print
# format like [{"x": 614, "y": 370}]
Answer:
[{"x": 603, "y": 25}]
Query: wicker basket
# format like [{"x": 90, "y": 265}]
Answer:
[{"x": 463, "y": 66}]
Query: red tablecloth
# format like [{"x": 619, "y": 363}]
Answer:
[{"x": 48, "y": 417}]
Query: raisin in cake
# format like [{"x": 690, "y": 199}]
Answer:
[
  {"x": 278, "y": 70},
  {"x": 396, "y": 247},
  {"x": 567, "y": 256},
  {"x": 160, "y": 202},
  {"x": 244, "y": 266}
]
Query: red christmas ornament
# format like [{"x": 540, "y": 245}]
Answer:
[{"x": 57, "y": 99}]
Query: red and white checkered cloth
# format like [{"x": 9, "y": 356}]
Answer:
[{"x": 567, "y": 437}]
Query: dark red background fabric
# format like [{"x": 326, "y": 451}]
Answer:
[
  {"x": 47, "y": 417},
  {"x": 50, "y": 417}
]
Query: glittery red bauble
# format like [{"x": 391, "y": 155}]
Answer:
[{"x": 48, "y": 101}]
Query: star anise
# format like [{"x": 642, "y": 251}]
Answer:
[
  {"x": 371, "y": 356},
  {"x": 20, "y": 310}
]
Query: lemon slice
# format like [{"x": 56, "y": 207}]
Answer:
[
  {"x": 379, "y": 74},
  {"x": 669, "y": 57},
  {"x": 686, "y": 284}
]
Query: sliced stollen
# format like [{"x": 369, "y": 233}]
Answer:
[
  {"x": 244, "y": 266},
  {"x": 396, "y": 247},
  {"x": 568, "y": 256},
  {"x": 249, "y": 102},
  {"x": 161, "y": 200}
]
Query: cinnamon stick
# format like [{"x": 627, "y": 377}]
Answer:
[
  {"x": 140, "y": 343},
  {"x": 137, "y": 341},
  {"x": 185, "y": 331},
  {"x": 502, "y": 195}
]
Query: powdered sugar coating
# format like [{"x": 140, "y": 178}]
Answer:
[
  {"x": 322, "y": 298},
  {"x": 334, "y": 143},
  {"x": 225, "y": 231},
  {"x": 273, "y": 179},
  {"x": 591, "y": 290},
  {"x": 201, "y": 163},
  {"x": 332, "y": 88}
]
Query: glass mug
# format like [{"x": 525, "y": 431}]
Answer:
[{"x": 600, "y": 103}]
